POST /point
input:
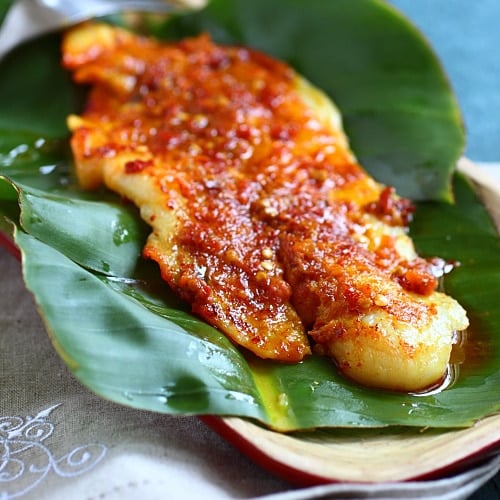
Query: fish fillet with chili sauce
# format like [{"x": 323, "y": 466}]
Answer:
[{"x": 261, "y": 217}]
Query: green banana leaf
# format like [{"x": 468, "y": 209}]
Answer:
[
  {"x": 4, "y": 7},
  {"x": 129, "y": 339}
]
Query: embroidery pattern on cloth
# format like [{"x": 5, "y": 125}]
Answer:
[{"x": 25, "y": 460}]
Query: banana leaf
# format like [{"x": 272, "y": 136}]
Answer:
[
  {"x": 129, "y": 339},
  {"x": 4, "y": 7}
]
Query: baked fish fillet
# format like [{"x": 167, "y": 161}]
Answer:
[{"x": 261, "y": 217}]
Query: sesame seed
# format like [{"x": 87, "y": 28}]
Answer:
[
  {"x": 199, "y": 121},
  {"x": 380, "y": 300},
  {"x": 232, "y": 256},
  {"x": 267, "y": 265},
  {"x": 267, "y": 253}
]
